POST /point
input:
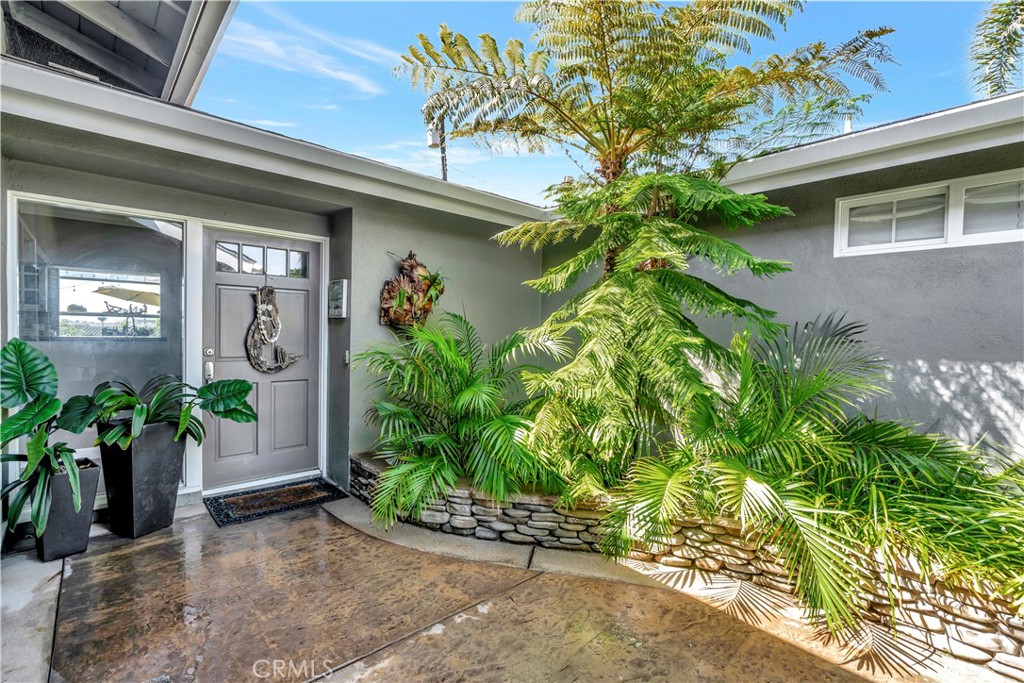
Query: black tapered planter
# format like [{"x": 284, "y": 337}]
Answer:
[
  {"x": 142, "y": 482},
  {"x": 67, "y": 531}
]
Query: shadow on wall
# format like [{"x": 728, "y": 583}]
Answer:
[{"x": 966, "y": 400}]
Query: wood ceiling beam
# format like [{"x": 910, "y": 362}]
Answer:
[
  {"x": 88, "y": 49},
  {"x": 125, "y": 27}
]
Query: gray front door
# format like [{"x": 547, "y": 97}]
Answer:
[{"x": 285, "y": 437}]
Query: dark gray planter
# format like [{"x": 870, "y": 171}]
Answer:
[
  {"x": 142, "y": 482},
  {"x": 67, "y": 531}
]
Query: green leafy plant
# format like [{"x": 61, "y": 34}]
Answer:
[
  {"x": 836, "y": 493},
  {"x": 636, "y": 86},
  {"x": 640, "y": 352},
  {"x": 449, "y": 412},
  {"x": 997, "y": 50},
  {"x": 648, "y": 94},
  {"x": 647, "y": 413},
  {"x": 29, "y": 380},
  {"x": 433, "y": 288},
  {"x": 163, "y": 399}
]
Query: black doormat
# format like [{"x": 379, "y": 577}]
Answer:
[{"x": 245, "y": 506}]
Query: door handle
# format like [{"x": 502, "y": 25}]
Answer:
[{"x": 208, "y": 371}]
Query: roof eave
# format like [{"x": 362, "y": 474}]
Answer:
[
  {"x": 205, "y": 25},
  {"x": 980, "y": 125},
  {"x": 40, "y": 94}
]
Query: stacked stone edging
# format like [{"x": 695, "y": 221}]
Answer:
[{"x": 964, "y": 625}]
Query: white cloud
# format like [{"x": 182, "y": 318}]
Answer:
[
  {"x": 400, "y": 144},
  {"x": 321, "y": 107},
  {"x": 291, "y": 53},
  {"x": 357, "y": 47},
  {"x": 414, "y": 155},
  {"x": 475, "y": 167},
  {"x": 269, "y": 123}
]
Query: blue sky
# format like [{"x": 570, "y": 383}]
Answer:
[{"x": 322, "y": 72}]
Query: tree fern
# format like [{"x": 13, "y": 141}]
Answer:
[{"x": 635, "y": 86}]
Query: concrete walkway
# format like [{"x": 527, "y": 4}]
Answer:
[{"x": 320, "y": 593}]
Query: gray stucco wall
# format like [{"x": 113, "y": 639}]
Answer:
[
  {"x": 950, "y": 320},
  {"x": 24, "y": 176},
  {"x": 482, "y": 280}
]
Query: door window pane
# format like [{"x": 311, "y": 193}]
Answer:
[
  {"x": 101, "y": 294},
  {"x": 277, "y": 261},
  {"x": 870, "y": 224},
  {"x": 297, "y": 265},
  {"x": 252, "y": 259},
  {"x": 994, "y": 208},
  {"x": 227, "y": 257},
  {"x": 921, "y": 218}
]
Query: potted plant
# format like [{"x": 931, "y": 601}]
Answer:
[
  {"x": 141, "y": 446},
  {"x": 62, "y": 489}
]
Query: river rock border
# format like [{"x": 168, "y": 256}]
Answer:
[{"x": 964, "y": 625}]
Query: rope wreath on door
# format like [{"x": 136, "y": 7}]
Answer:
[{"x": 266, "y": 329}]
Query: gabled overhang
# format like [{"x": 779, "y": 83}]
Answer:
[
  {"x": 94, "y": 110},
  {"x": 160, "y": 48},
  {"x": 990, "y": 123}
]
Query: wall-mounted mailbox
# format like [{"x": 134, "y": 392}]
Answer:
[{"x": 337, "y": 299}]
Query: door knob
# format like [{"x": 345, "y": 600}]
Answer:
[{"x": 208, "y": 371}]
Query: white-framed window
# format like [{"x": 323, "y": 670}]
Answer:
[{"x": 983, "y": 209}]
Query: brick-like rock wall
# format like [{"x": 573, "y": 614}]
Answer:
[
  {"x": 959, "y": 623},
  {"x": 532, "y": 520}
]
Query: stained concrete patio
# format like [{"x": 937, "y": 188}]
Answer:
[{"x": 304, "y": 595}]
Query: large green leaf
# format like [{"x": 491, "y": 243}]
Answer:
[
  {"x": 79, "y": 413},
  {"x": 6, "y": 490},
  {"x": 16, "y": 506},
  {"x": 41, "y": 499},
  {"x": 25, "y": 374},
  {"x": 138, "y": 419},
  {"x": 36, "y": 451},
  {"x": 29, "y": 418},
  {"x": 67, "y": 457},
  {"x": 241, "y": 413},
  {"x": 195, "y": 429},
  {"x": 183, "y": 419},
  {"x": 223, "y": 395},
  {"x": 111, "y": 436}
]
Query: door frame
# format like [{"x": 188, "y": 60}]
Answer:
[
  {"x": 192, "y": 370},
  {"x": 323, "y": 393}
]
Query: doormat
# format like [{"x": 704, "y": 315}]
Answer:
[{"x": 245, "y": 506}]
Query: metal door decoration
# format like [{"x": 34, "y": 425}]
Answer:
[{"x": 266, "y": 329}]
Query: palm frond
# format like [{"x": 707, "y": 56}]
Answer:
[
  {"x": 997, "y": 50},
  {"x": 448, "y": 413}
]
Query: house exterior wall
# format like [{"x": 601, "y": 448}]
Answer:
[
  {"x": 20, "y": 175},
  {"x": 483, "y": 279},
  {"x": 950, "y": 321}
]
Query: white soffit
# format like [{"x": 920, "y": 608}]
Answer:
[
  {"x": 43, "y": 95},
  {"x": 989, "y": 123}
]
